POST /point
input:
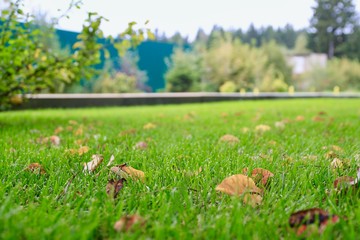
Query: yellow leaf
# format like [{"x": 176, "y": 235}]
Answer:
[
  {"x": 125, "y": 171},
  {"x": 149, "y": 126},
  {"x": 262, "y": 128}
]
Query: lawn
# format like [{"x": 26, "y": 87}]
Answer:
[{"x": 306, "y": 144}]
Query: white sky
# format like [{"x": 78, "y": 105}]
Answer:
[{"x": 185, "y": 16}]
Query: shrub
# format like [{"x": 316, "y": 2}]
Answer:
[{"x": 228, "y": 87}]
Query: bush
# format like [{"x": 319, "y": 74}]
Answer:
[
  {"x": 184, "y": 74},
  {"x": 344, "y": 73},
  {"x": 228, "y": 87}
]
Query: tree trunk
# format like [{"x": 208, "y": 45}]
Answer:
[{"x": 331, "y": 49}]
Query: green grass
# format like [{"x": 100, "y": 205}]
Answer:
[{"x": 175, "y": 202}]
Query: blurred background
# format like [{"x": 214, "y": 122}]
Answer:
[{"x": 204, "y": 46}]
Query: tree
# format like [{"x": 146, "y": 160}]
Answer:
[
  {"x": 331, "y": 21},
  {"x": 29, "y": 65}
]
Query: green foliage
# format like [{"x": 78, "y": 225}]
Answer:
[
  {"x": 343, "y": 72},
  {"x": 184, "y": 74},
  {"x": 228, "y": 87},
  {"x": 331, "y": 21},
  {"x": 229, "y": 65},
  {"x": 125, "y": 80},
  {"x": 28, "y": 64},
  {"x": 301, "y": 44}
]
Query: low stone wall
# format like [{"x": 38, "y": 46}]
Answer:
[{"x": 131, "y": 99}]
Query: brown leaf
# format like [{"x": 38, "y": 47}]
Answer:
[
  {"x": 300, "y": 118},
  {"x": 302, "y": 219},
  {"x": 127, "y": 132},
  {"x": 141, "y": 145},
  {"x": 238, "y": 184},
  {"x": 344, "y": 182},
  {"x": 336, "y": 164},
  {"x": 94, "y": 163},
  {"x": 36, "y": 168},
  {"x": 331, "y": 155},
  {"x": 114, "y": 186},
  {"x": 261, "y": 175},
  {"x": 82, "y": 150},
  {"x": 318, "y": 119},
  {"x": 252, "y": 199},
  {"x": 125, "y": 171},
  {"x": 58, "y": 130},
  {"x": 55, "y": 140},
  {"x": 72, "y": 122},
  {"x": 229, "y": 139},
  {"x": 336, "y": 148},
  {"x": 127, "y": 223}
]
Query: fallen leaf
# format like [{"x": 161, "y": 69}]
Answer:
[
  {"x": 127, "y": 223},
  {"x": 252, "y": 199},
  {"x": 58, "y": 130},
  {"x": 261, "y": 175},
  {"x": 318, "y": 119},
  {"x": 245, "y": 130},
  {"x": 272, "y": 142},
  {"x": 280, "y": 125},
  {"x": 331, "y": 155},
  {"x": 55, "y": 140},
  {"x": 224, "y": 114},
  {"x": 82, "y": 150},
  {"x": 114, "y": 186},
  {"x": 36, "y": 168},
  {"x": 79, "y": 131},
  {"x": 321, "y": 113},
  {"x": 141, "y": 145},
  {"x": 336, "y": 163},
  {"x": 125, "y": 171},
  {"x": 344, "y": 182},
  {"x": 94, "y": 163},
  {"x": 149, "y": 126},
  {"x": 128, "y": 132},
  {"x": 262, "y": 128},
  {"x": 72, "y": 122},
  {"x": 336, "y": 148},
  {"x": 193, "y": 173},
  {"x": 300, "y": 118},
  {"x": 229, "y": 139},
  {"x": 112, "y": 158},
  {"x": 238, "y": 184},
  {"x": 302, "y": 219},
  {"x": 42, "y": 140}
]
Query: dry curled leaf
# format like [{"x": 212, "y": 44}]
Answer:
[
  {"x": 262, "y": 128},
  {"x": 318, "y": 119},
  {"x": 345, "y": 182},
  {"x": 127, "y": 223},
  {"x": 237, "y": 185},
  {"x": 82, "y": 150},
  {"x": 112, "y": 158},
  {"x": 302, "y": 219},
  {"x": 55, "y": 140},
  {"x": 331, "y": 155},
  {"x": 141, "y": 145},
  {"x": 125, "y": 171},
  {"x": 114, "y": 186},
  {"x": 73, "y": 122},
  {"x": 149, "y": 126},
  {"x": 336, "y": 148},
  {"x": 336, "y": 164},
  {"x": 36, "y": 168},
  {"x": 261, "y": 175},
  {"x": 229, "y": 139},
  {"x": 94, "y": 163}
]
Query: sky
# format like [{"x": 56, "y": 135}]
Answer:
[{"x": 185, "y": 16}]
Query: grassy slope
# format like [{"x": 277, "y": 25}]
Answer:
[{"x": 176, "y": 204}]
